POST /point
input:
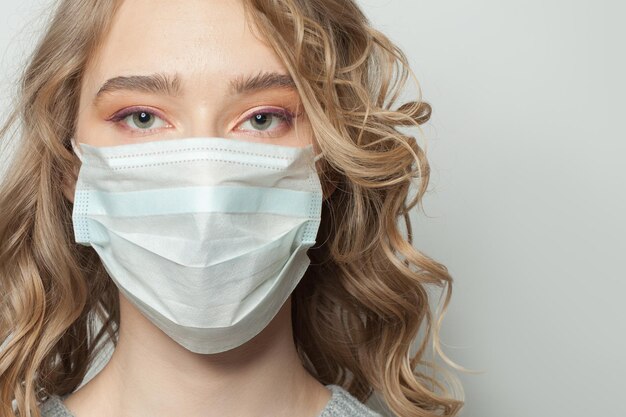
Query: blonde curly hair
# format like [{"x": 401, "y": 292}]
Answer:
[{"x": 363, "y": 300}]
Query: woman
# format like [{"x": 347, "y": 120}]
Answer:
[{"x": 181, "y": 165}]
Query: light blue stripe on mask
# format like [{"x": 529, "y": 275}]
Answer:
[{"x": 225, "y": 199}]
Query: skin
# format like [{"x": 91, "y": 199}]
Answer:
[{"x": 208, "y": 43}]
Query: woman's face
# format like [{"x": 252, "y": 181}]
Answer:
[{"x": 174, "y": 69}]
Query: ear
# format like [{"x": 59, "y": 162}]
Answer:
[
  {"x": 328, "y": 189},
  {"x": 69, "y": 184},
  {"x": 328, "y": 178}
]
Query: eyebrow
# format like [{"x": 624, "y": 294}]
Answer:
[{"x": 170, "y": 84}]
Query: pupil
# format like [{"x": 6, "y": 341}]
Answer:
[
  {"x": 142, "y": 118},
  {"x": 261, "y": 119}
]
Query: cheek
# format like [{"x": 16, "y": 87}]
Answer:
[
  {"x": 303, "y": 133},
  {"x": 93, "y": 129},
  {"x": 88, "y": 126}
]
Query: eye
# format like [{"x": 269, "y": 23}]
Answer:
[
  {"x": 266, "y": 120},
  {"x": 139, "y": 119}
]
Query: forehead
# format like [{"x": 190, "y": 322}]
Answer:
[{"x": 203, "y": 40}]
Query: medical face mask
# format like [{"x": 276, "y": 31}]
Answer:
[{"x": 207, "y": 237}]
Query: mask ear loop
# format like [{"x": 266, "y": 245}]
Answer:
[
  {"x": 318, "y": 157},
  {"x": 76, "y": 149}
]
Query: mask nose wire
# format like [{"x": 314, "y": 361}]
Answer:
[{"x": 76, "y": 149}]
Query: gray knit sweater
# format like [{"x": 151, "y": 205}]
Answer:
[{"x": 341, "y": 404}]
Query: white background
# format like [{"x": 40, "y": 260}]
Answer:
[{"x": 527, "y": 147}]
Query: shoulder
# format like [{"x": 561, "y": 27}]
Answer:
[
  {"x": 54, "y": 407},
  {"x": 343, "y": 404}
]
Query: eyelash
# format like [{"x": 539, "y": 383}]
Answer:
[{"x": 284, "y": 115}]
